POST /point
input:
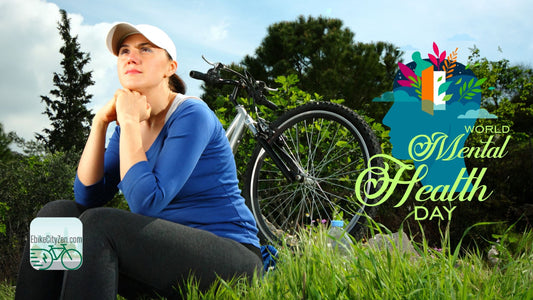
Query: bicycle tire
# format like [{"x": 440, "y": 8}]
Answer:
[
  {"x": 66, "y": 254},
  {"x": 40, "y": 261},
  {"x": 310, "y": 130}
]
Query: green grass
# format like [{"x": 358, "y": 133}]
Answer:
[
  {"x": 7, "y": 291},
  {"x": 314, "y": 271},
  {"x": 311, "y": 270}
]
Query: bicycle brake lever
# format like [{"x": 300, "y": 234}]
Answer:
[
  {"x": 270, "y": 89},
  {"x": 263, "y": 86},
  {"x": 216, "y": 65},
  {"x": 207, "y": 61}
]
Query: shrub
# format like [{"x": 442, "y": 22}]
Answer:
[{"x": 26, "y": 184}]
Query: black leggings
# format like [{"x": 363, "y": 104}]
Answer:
[{"x": 132, "y": 255}]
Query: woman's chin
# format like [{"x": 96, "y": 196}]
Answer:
[{"x": 132, "y": 87}]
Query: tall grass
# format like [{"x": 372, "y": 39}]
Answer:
[{"x": 312, "y": 270}]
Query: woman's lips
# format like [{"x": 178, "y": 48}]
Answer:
[{"x": 133, "y": 71}]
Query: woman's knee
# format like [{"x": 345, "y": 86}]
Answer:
[
  {"x": 61, "y": 208},
  {"x": 99, "y": 219}
]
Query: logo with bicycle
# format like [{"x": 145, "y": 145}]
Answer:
[
  {"x": 436, "y": 103},
  {"x": 56, "y": 244}
]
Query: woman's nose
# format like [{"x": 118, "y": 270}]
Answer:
[{"x": 132, "y": 57}]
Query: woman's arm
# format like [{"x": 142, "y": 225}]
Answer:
[
  {"x": 91, "y": 165},
  {"x": 149, "y": 187},
  {"x": 97, "y": 175},
  {"x": 132, "y": 109}
]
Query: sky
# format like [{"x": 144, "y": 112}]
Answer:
[{"x": 226, "y": 31}]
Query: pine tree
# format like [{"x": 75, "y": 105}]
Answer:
[
  {"x": 70, "y": 119},
  {"x": 5, "y": 140}
]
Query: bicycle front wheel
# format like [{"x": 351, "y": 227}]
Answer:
[{"x": 331, "y": 145}]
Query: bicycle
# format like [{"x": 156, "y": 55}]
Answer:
[
  {"x": 69, "y": 257},
  {"x": 305, "y": 164}
]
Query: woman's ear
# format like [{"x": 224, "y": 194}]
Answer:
[{"x": 172, "y": 67}]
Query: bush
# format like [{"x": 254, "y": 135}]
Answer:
[{"x": 26, "y": 184}]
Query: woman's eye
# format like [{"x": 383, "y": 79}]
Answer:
[
  {"x": 146, "y": 49},
  {"x": 123, "y": 51}
]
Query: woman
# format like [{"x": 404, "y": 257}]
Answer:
[{"x": 170, "y": 158}]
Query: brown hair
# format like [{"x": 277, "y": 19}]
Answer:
[{"x": 175, "y": 82}]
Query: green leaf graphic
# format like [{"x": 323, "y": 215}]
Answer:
[
  {"x": 444, "y": 87},
  {"x": 470, "y": 83},
  {"x": 480, "y": 82}
]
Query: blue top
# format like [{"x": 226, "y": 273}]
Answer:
[{"x": 190, "y": 176}]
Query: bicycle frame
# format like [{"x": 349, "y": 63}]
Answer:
[
  {"x": 235, "y": 129},
  {"x": 282, "y": 160},
  {"x": 53, "y": 253}
]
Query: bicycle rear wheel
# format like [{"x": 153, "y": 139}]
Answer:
[{"x": 331, "y": 145}]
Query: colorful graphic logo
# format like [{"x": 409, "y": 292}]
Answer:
[
  {"x": 56, "y": 243},
  {"x": 436, "y": 103}
]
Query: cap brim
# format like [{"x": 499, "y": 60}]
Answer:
[
  {"x": 156, "y": 36},
  {"x": 117, "y": 34}
]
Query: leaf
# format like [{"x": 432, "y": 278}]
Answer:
[
  {"x": 404, "y": 82},
  {"x": 433, "y": 59},
  {"x": 440, "y": 79},
  {"x": 471, "y": 82},
  {"x": 447, "y": 97},
  {"x": 480, "y": 82},
  {"x": 444, "y": 87},
  {"x": 442, "y": 56},
  {"x": 342, "y": 144},
  {"x": 406, "y": 71},
  {"x": 458, "y": 81},
  {"x": 435, "y": 48}
]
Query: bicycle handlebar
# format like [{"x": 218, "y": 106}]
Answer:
[
  {"x": 207, "y": 78},
  {"x": 199, "y": 75},
  {"x": 254, "y": 87}
]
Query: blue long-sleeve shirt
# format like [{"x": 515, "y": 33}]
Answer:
[{"x": 190, "y": 176}]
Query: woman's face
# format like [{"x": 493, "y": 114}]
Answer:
[{"x": 142, "y": 66}]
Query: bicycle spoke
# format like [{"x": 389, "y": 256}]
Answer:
[{"x": 330, "y": 153}]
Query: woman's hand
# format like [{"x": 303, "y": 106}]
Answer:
[
  {"x": 131, "y": 106},
  {"x": 108, "y": 113}
]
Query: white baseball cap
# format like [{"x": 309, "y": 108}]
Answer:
[{"x": 156, "y": 36}]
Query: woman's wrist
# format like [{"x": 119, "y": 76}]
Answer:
[{"x": 99, "y": 123}]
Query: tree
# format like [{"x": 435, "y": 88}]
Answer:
[
  {"x": 69, "y": 117},
  {"x": 510, "y": 92},
  {"x": 327, "y": 60},
  {"x": 506, "y": 93},
  {"x": 5, "y": 140}
]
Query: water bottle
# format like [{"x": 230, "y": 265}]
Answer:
[{"x": 338, "y": 238}]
